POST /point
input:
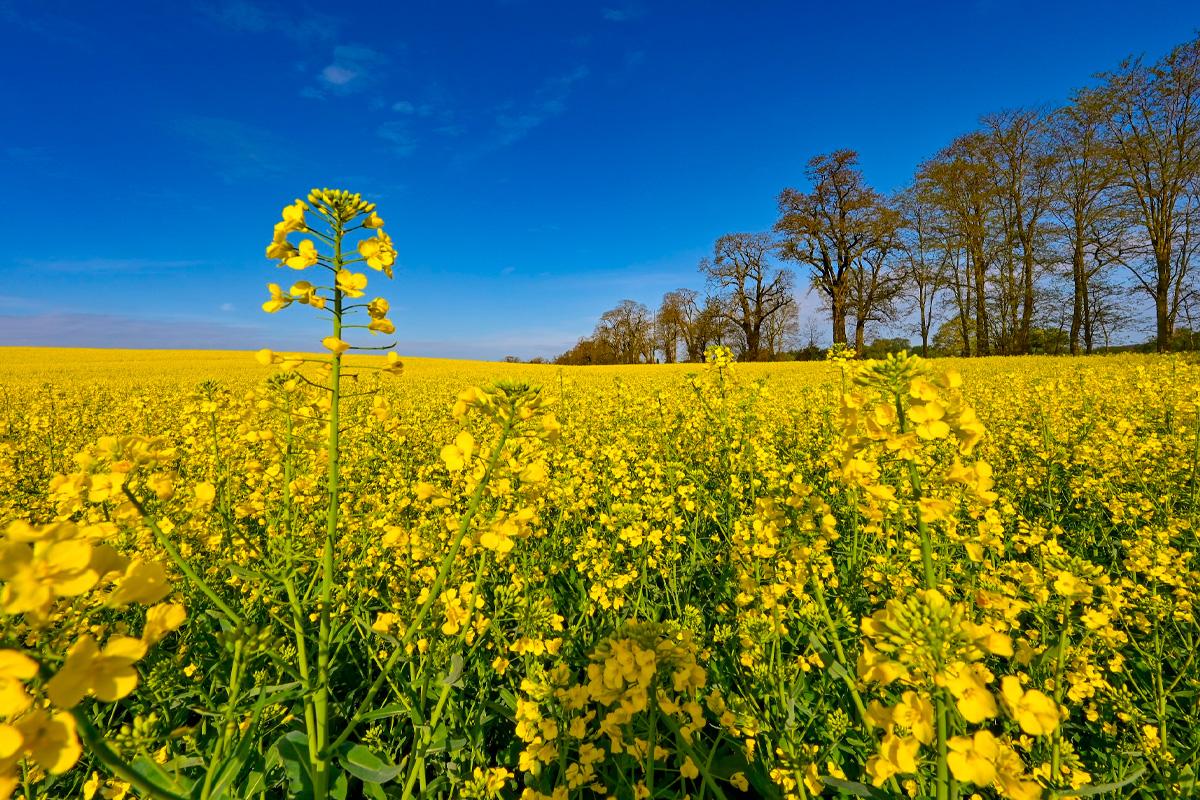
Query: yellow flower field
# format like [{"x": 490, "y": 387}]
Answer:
[{"x": 902, "y": 578}]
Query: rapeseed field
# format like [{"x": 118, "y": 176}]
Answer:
[
  {"x": 350, "y": 575},
  {"x": 730, "y": 580}
]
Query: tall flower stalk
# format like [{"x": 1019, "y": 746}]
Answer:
[{"x": 339, "y": 215}]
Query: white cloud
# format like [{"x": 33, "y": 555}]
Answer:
[
  {"x": 352, "y": 70},
  {"x": 244, "y": 16},
  {"x": 399, "y": 136},
  {"x": 104, "y": 265},
  {"x": 114, "y": 330},
  {"x": 237, "y": 150},
  {"x": 337, "y": 75},
  {"x": 624, "y": 13},
  {"x": 549, "y": 100}
]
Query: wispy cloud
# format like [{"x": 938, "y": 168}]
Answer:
[
  {"x": 243, "y": 16},
  {"x": 27, "y": 155},
  {"x": 237, "y": 150},
  {"x": 433, "y": 114},
  {"x": 524, "y": 344},
  {"x": 55, "y": 27},
  {"x": 515, "y": 120},
  {"x": 353, "y": 69},
  {"x": 79, "y": 266},
  {"x": 399, "y": 136},
  {"x": 626, "y": 12},
  {"x": 115, "y": 330}
]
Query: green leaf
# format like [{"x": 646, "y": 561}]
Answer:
[
  {"x": 340, "y": 787},
  {"x": 374, "y": 791},
  {"x": 1089, "y": 791},
  {"x": 383, "y": 712},
  {"x": 838, "y": 671},
  {"x": 365, "y": 765},
  {"x": 855, "y": 788},
  {"x": 456, "y": 670},
  {"x": 159, "y": 777},
  {"x": 292, "y": 749}
]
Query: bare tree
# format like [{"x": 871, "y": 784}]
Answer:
[
  {"x": 781, "y": 331},
  {"x": 1152, "y": 122},
  {"x": 1090, "y": 220},
  {"x": 626, "y": 330},
  {"x": 874, "y": 275},
  {"x": 830, "y": 227},
  {"x": 752, "y": 289},
  {"x": 1021, "y": 167},
  {"x": 925, "y": 260},
  {"x": 669, "y": 326},
  {"x": 958, "y": 180}
]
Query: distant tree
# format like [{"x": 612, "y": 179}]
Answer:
[
  {"x": 1084, "y": 204},
  {"x": 1021, "y": 165},
  {"x": 875, "y": 276},
  {"x": 627, "y": 331},
  {"x": 829, "y": 228},
  {"x": 1109, "y": 310},
  {"x": 670, "y": 326},
  {"x": 781, "y": 332},
  {"x": 1152, "y": 124},
  {"x": 958, "y": 181},
  {"x": 588, "y": 352},
  {"x": 711, "y": 326},
  {"x": 948, "y": 339},
  {"x": 751, "y": 288},
  {"x": 881, "y": 348},
  {"x": 924, "y": 261}
]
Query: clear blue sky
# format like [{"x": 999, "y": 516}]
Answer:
[{"x": 536, "y": 162}]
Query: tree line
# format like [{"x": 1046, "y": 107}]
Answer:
[{"x": 1040, "y": 224}]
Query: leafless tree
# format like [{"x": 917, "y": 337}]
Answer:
[
  {"x": 752, "y": 289},
  {"x": 1152, "y": 124},
  {"x": 830, "y": 227}
]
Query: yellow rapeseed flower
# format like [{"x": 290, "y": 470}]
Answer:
[
  {"x": 15, "y": 669},
  {"x": 1034, "y": 711},
  {"x": 972, "y": 759},
  {"x": 109, "y": 675}
]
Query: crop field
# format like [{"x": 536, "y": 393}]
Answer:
[{"x": 894, "y": 578}]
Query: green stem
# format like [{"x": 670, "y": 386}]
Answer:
[
  {"x": 943, "y": 772},
  {"x": 181, "y": 562},
  {"x": 108, "y": 757},
  {"x": 840, "y": 652},
  {"x": 319, "y": 756},
  {"x": 1060, "y": 661},
  {"x": 914, "y": 482},
  {"x": 443, "y": 574},
  {"x": 229, "y": 726}
]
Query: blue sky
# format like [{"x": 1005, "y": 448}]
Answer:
[{"x": 536, "y": 162}]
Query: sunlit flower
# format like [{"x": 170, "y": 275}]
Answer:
[{"x": 108, "y": 674}]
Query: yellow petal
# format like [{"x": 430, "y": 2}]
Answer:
[{"x": 335, "y": 345}]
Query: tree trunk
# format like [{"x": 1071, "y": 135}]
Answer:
[
  {"x": 753, "y": 342},
  {"x": 1162, "y": 297},
  {"x": 838, "y": 305},
  {"x": 1078, "y": 308},
  {"x": 1026, "y": 302},
  {"x": 860, "y": 329},
  {"x": 1089, "y": 324},
  {"x": 981, "y": 314}
]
